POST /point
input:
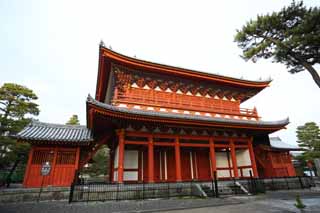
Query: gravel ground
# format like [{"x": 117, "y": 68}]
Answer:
[{"x": 280, "y": 201}]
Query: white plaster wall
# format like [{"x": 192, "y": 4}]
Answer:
[
  {"x": 115, "y": 175},
  {"x": 246, "y": 172},
  {"x": 131, "y": 159},
  {"x": 116, "y": 157},
  {"x": 130, "y": 162},
  {"x": 243, "y": 157},
  {"x": 223, "y": 173},
  {"x": 130, "y": 175},
  {"x": 222, "y": 159}
]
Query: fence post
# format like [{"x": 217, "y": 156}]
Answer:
[
  {"x": 215, "y": 183},
  {"x": 234, "y": 186},
  {"x": 253, "y": 190},
  {"x": 272, "y": 184},
  {"x": 285, "y": 178},
  {"x": 212, "y": 188},
  {"x": 142, "y": 190},
  {"x": 117, "y": 197},
  {"x": 301, "y": 183},
  {"x": 71, "y": 192}
]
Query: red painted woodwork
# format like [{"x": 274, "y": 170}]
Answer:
[
  {"x": 145, "y": 166},
  {"x": 203, "y": 165},
  {"x": 234, "y": 159},
  {"x": 185, "y": 164},
  {"x": 177, "y": 160},
  {"x": 212, "y": 157},
  {"x": 150, "y": 160},
  {"x": 121, "y": 156},
  {"x": 273, "y": 163},
  {"x": 107, "y": 57},
  {"x": 170, "y": 100},
  {"x": 252, "y": 159},
  {"x": 171, "y": 165},
  {"x": 157, "y": 165},
  {"x": 64, "y": 162}
]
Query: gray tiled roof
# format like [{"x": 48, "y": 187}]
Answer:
[
  {"x": 277, "y": 143},
  {"x": 39, "y": 131},
  {"x": 283, "y": 122}
]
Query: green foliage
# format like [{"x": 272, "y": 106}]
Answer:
[
  {"x": 16, "y": 102},
  {"x": 309, "y": 138},
  {"x": 73, "y": 120},
  {"x": 99, "y": 163},
  {"x": 290, "y": 36},
  {"x": 299, "y": 204}
]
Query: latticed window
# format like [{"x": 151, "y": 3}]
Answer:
[
  {"x": 66, "y": 157},
  {"x": 42, "y": 156}
]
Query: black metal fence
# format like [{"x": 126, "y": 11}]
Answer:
[
  {"x": 260, "y": 185},
  {"x": 84, "y": 192}
]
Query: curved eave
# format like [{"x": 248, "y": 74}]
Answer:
[
  {"x": 280, "y": 149},
  {"x": 54, "y": 142},
  {"x": 171, "y": 70},
  {"x": 181, "y": 119}
]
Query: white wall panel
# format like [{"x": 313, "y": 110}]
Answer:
[
  {"x": 222, "y": 159},
  {"x": 131, "y": 159},
  {"x": 130, "y": 175},
  {"x": 223, "y": 173},
  {"x": 116, "y": 157},
  {"x": 243, "y": 157}
]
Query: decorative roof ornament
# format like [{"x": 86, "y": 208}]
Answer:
[{"x": 102, "y": 44}]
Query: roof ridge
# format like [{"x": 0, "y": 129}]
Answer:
[
  {"x": 191, "y": 70},
  {"x": 39, "y": 123}
]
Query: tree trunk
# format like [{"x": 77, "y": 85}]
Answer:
[
  {"x": 313, "y": 73},
  {"x": 8, "y": 179}
]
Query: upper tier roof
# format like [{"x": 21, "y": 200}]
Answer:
[
  {"x": 106, "y": 56},
  {"x": 155, "y": 116},
  {"x": 47, "y": 132}
]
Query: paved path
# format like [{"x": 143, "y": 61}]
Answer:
[{"x": 281, "y": 201}]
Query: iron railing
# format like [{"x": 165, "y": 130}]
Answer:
[{"x": 94, "y": 191}]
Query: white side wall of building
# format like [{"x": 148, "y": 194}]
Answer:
[
  {"x": 243, "y": 157},
  {"x": 130, "y": 162}
]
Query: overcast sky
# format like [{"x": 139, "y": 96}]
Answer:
[{"x": 52, "y": 48}]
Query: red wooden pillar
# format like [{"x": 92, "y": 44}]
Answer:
[
  {"x": 77, "y": 158},
  {"x": 111, "y": 166},
  {"x": 252, "y": 158},
  {"x": 212, "y": 156},
  {"x": 26, "y": 174},
  {"x": 234, "y": 159},
  {"x": 150, "y": 160},
  {"x": 178, "y": 159},
  {"x": 121, "y": 155}
]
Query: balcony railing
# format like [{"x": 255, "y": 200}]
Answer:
[{"x": 182, "y": 102}]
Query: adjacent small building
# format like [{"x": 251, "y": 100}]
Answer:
[{"x": 161, "y": 123}]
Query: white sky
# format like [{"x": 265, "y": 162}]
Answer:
[{"x": 52, "y": 48}]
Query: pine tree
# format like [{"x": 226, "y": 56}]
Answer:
[
  {"x": 16, "y": 104},
  {"x": 290, "y": 36},
  {"x": 73, "y": 120},
  {"x": 309, "y": 138}
]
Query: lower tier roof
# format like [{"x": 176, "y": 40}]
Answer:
[
  {"x": 277, "y": 144},
  {"x": 165, "y": 117},
  {"x": 59, "y": 133}
]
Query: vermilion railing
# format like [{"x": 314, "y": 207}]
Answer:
[{"x": 171, "y": 100}]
